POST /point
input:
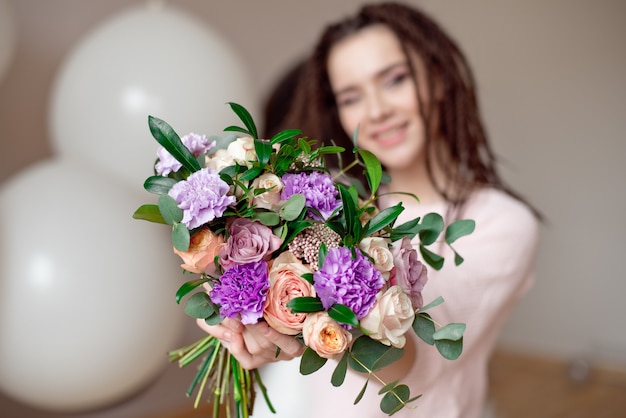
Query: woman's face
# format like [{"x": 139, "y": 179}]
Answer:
[{"x": 375, "y": 91}]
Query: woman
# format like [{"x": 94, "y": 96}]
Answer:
[{"x": 392, "y": 75}]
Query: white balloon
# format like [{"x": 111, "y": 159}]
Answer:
[
  {"x": 8, "y": 36},
  {"x": 144, "y": 61},
  {"x": 87, "y": 307}
]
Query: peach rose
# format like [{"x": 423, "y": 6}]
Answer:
[
  {"x": 378, "y": 249},
  {"x": 324, "y": 335},
  {"x": 390, "y": 318},
  {"x": 286, "y": 283},
  {"x": 203, "y": 247},
  {"x": 271, "y": 198}
]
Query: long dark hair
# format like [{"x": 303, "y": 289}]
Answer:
[{"x": 455, "y": 141}]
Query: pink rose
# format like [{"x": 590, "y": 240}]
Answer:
[
  {"x": 286, "y": 283},
  {"x": 390, "y": 318},
  {"x": 248, "y": 242},
  {"x": 324, "y": 335},
  {"x": 409, "y": 273},
  {"x": 203, "y": 247}
]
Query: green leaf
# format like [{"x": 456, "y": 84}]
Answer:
[
  {"x": 188, "y": 287},
  {"x": 305, "y": 304},
  {"x": 388, "y": 387},
  {"x": 267, "y": 218},
  {"x": 199, "y": 305},
  {"x": 432, "y": 304},
  {"x": 450, "y": 350},
  {"x": 432, "y": 259},
  {"x": 169, "y": 209},
  {"x": 407, "y": 229},
  {"x": 263, "y": 151},
  {"x": 308, "y": 277},
  {"x": 353, "y": 223},
  {"x": 339, "y": 375},
  {"x": 373, "y": 169},
  {"x": 169, "y": 139},
  {"x": 453, "y": 331},
  {"x": 292, "y": 207},
  {"x": 237, "y": 129},
  {"x": 149, "y": 213},
  {"x": 458, "y": 260},
  {"x": 395, "y": 400},
  {"x": 321, "y": 256},
  {"x": 431, "y": 227},
  {"x": 213, "y": 319},
  {"x": 330, "y": 150},
  {"x": 424, "y": 327},
  {"x": 343, "y": 314},
  {"x": 458, "y": 229},
  {"x": 159, "y": 184},
  {"x": 370, "y": 355},
  {"x": 311, "y": 362},
  {"x": 180, "y": 237},
  {"x": 250, "y": 174},
  {"x": 384, "y": 218},
  {"x": 245, "y": 117},
  {"x": 362, "y": 392},
  {"x": 285, "y": 135},
  {"x": 304, "y": 145}
]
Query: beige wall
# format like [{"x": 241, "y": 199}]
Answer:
[{"x": 554, "y": 97}]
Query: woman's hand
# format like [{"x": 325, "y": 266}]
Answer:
[{"x": 254, "y": 345}]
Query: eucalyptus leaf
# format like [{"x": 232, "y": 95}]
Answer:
[
  {"x": 432, "y": 259},
  {"x": 458, "y": 260},
  {"x": 188, "y": 287},
  {"x": 169, "y": 139},
  {"x": 453, "y": 331},
  {"x": 450, "y": 350},
  {"x": 293, "y": 207},
  {"x": 438, "y": 301},
  {"x": 373, "y": 169},
  {"x": 388, "y": 387},
  {"x": 395, "y": 400},
  {"x": 267, "y": 218},
  {"x": 199, "y": 305},
  {"x": 159, "y": 184},
  {"x": 361, "y": 393},
  {"x": 343, "y": 314},
  {"x": 169, "y": 209},
  {"x": 368, "y": 355},
  {"x": 458, "y": 229},
  {"x": 311, "y": 362},
  {"x": 245, "y": 117},
  {"x": 424, "y": 327},
  {"x": 213, "y": 319},
  {"x": 149, "y": 213},
  {"x": 431, "y": 227},
  {"x": 305, "y": 304},
  {"x": 339, "y": 374},
  {"x": 180, "y": 237}
]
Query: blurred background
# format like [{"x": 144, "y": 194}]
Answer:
[{"x": 552, "y": 89}]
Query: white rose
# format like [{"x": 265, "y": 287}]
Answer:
[
  {"x": 271, "y": 198},
  {"x": 220, "y": 160},
  {"x": 242, "y": 151},
  {"x": 390, "y": 318},
  {"x": 378, "y": 249}
]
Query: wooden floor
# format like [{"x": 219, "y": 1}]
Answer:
[{"x": 531, "y": 387}]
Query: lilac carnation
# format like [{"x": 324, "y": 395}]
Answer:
[
  {"x": 318, "y": 189},
  {"x": 353, "y": 282},
  {"x": 202, "y": 197},
  {"x": 242, "y": 290},
  {"x": 197, "y": 144}
]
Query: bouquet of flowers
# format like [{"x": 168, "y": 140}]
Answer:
[{"x": 276, "y": 236}]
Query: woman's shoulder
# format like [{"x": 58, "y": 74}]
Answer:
[{"x": 490, "y": 204}]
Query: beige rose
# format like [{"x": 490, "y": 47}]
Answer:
[
  {"x": 286, "y": 283},
  {"x": 221, "y": 159},
  {"x": 378, "y": 249},
  {"x": 271, "y": 198},
  {"x": 324, "y": 335},
  {"x": 390, "y": 318},
  {"x": 203, "y": 247},
  {"x": 242, "y": 151}
]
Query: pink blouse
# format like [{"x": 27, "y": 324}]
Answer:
[{"x": 498, "y": 270}]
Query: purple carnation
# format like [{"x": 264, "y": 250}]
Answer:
[
  {"x": 318, "y": 189},
  {"x": 353, "y": 282},
  {"x": 197, "y": 144},
  {"x": 202, "y": 197},
  {"x": 242, "y": 290}
]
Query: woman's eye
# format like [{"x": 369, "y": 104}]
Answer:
[
  {"x": 346, "y": 100},
  {"x": 397, "y": 79}
]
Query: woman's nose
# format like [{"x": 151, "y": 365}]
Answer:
[{"x": 377, "y": 107}]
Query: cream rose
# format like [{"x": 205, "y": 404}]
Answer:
[
  {"x": 219, "y": 160},
  {"x": 203, "y": 247},
  {"x": 390, "y": 318},
  {"x": 286, "y": 283},
  {"x": 378, "y": 249},
  {"x": 271, "y": 198},
  {"x": 242, "y": 151},
  {"x": 324, "y": 335}
]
